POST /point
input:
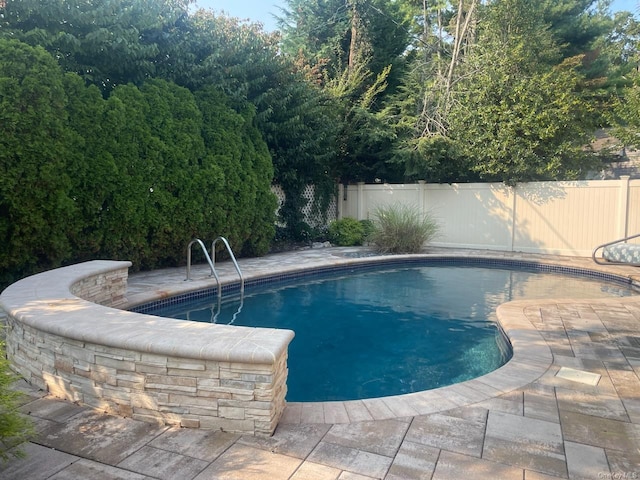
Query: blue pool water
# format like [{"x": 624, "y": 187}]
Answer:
[{"x": 390, "y": 331}]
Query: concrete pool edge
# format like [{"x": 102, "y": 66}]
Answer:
[{"x": 532, "y": 358}]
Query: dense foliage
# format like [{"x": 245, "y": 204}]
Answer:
[
  {"x": 116, "y": 42},
  {"x": 36, "y": 208},
  {"x": 134, "y": 176},
  {"x": 130, "y": 126}
]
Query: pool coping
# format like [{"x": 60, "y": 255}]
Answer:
[{"x": 532, "y": 357}]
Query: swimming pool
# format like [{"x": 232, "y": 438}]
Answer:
[{"x": 389, "y": 330}]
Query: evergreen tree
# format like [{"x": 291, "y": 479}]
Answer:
[
  {"x": 37, "y": 215},
  {"x": 518, "y": 114},
  {"x": 107, "y": 43}
]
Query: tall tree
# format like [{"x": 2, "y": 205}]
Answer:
[
  {"x": 295, "y": 117},
  {"x": 108, "y": 43},
  {"x": 577, "y": 24},
  {"x": 356, "y": 49},
  {"x": 518, "y": 114},
  {"x": 338, "y": 35},
  {"x": 625, "y": 52},
  {"x": 419, "y": 112}
]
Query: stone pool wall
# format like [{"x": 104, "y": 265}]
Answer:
[{"x": 63, "y": 337}]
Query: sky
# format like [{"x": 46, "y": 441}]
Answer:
[
  {"x": 263, "y": 10},
  {"x": 256, "y": 10}
]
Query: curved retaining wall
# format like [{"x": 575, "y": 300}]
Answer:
[{"x": 65, "y": 336}]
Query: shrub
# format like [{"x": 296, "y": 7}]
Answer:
[
  {"x": 401, "y": 228},
  {"x": 346, "y": 232},
  {"x": 15, "y": 428},
  {"x": 37, "y": 215},
  {"x": 368, "y": 229}
]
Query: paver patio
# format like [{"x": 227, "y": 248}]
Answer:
[{"x": 565, "y": 424}]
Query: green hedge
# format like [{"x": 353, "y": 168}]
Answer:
[
  {"x": 134, "y": 176},
  {"x": 36, "y": 209}
]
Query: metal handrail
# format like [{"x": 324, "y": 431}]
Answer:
[
  {"x": 206, "y": 254},
  {"x": 211, "y": 266},
  {"x": 600, "y": 261},
  {"x": 233, "y": 259},
  {"x": 211, "y": 260}
]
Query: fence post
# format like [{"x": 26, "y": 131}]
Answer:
[
  {"x": 514, "y": 216},
  {"x": 421, "y": 195},
  {"x": 341, "y": 200},
  {"x": 361, "y": 209},
  {"x": 623, "y": 206}
]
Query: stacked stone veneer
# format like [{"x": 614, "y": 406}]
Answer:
[{"x": 63, "y": 337}]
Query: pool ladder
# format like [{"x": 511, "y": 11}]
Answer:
[{"x": 211, "y": 260}]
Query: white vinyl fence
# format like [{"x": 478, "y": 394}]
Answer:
[{"x": 562, "y": 218}]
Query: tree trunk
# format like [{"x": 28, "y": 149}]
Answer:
[{"x": 353, "y": 46}]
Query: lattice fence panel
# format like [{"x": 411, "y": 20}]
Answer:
[{"x": 313, "y": 218}]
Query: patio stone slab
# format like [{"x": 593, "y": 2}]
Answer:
[
  {"x": 508, "y": 403},
  {"x": 351, "y": 459},
  {"x": 88, "y": 469},
  {"x": 335, "y": 412},
  {"x": 429, "y": 402},
  {"x": 102, "y": 438},
  {"x": 40, "y": 463},
  {"x": 203, "y": 445},
  {"x": 600, "y": 432},
  {"x": 585, "y": 462},
  {"x": 29, "y": 393},
  {"x": 292, "y": 414},
  {"x": 315, "y": 471},
  {"x": 606, "y": 406},
  {"x": 627, "y": 384},
  {"x": 354, "y": 476},
  {"x": 413, "y": 462},
  {"x": 453, "y": 466},
  {"x": 531, "y": 475},
  {"x": 541, "y": 406},
  {"x": 295, "y": 441},
  {"x": 624, "y": 464},
  {"x": 51, "y": 409},
  {"x": 378, "y": 409},
  {"x": 357, "y": 411},
  {"x": 312, "y": 412},
  {"x": 241, "y": 463},
  {"x": 382, "y": 437},
  {"x": 163, "y": 464},
  {"x": 447, "y": 432},
  {"x": 524, "y": 442}
]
